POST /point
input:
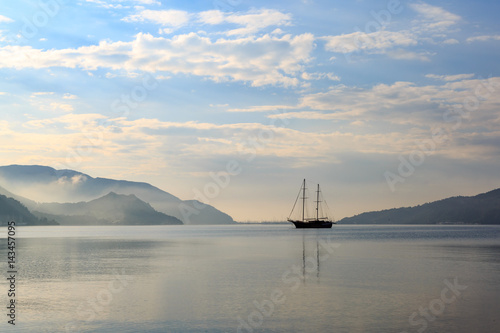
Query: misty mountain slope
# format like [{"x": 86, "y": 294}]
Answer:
[
  {"x": 13, "y": 210},
  {"x": 70, "y": 184},
  {"x": 111, "y": 209},
  {"x": 482, "y": 209},
  {"x": 30, "y": 204},
  {"x": 211, "y": 214},
  {"x": 45, "y": 184}
]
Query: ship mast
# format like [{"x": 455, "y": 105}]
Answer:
[
  {"x": 317, "y": 204},
  {"x": 303, "y": 199}
]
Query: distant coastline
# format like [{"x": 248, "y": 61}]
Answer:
[
  {"x": 119, "y": 202},
  {"x": 263, "y": 222},
  {"x": 483, "y": 208}
]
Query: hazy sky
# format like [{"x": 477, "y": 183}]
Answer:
[{"x": 385, "y": 103}]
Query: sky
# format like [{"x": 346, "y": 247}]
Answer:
[{"x": 234, "y": 102}]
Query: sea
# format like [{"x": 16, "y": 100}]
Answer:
[{"x": 252, "y": 278}]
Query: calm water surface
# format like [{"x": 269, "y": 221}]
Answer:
[{"x": 251, "y": 278}]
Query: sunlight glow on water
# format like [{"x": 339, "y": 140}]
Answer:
[{"x": 269, "y": 278}]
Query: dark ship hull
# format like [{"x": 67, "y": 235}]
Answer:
[{"x": 312, "y": 224}]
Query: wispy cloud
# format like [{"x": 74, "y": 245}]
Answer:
[
  {"x": 170, "y": 18},
  {"x": 402, "y": 54},
  {"x": 261, "y": 108},
  {"x": 431, "y": 25},
  {"x": 119, "y": 4},
  {"x": 50, "y": 101},
  {"x": 418, "y": 108},
  {"x": 397, "y": 105},
  {"x": 433, "y": 18},
  {"x": 266, "y": 60},
  {"x": 252, "y": 21},
  {"x": 451, "y": 41},
  {"x": 457, "y": 77},
  {"x": 484, "y": 38},
  {"x": 5, "y": 19},
  {"x": 374, "y": 42},
  {"x": 69, "y": 96}
]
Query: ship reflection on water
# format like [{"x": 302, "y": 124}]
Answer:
[
  {"x": 317, "y": 265},
  {"x": 316, "y": 249}
]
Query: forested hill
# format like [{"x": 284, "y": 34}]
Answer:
[
  {"x": 13, "y": 210},
  {"x": 111, "y": 209},
  {"x": 480, "y": 209}
]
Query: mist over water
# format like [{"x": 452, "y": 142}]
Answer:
[{"x": 252, "y": 278}]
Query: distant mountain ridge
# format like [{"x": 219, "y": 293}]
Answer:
[
  {"x": 480, "y": 209},
  {"x": 43, "y": 184},
  {"x": 111, "y": 209}
]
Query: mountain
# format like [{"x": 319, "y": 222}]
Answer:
[
  {"x": 480, "y": 209},
  {"x": 26, "y": 202},
  {"x": 111, "y": 209},
  {"x": 13, "y": 210},
  {"x": 45, "y": 184}
]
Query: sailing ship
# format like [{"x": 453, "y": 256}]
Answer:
[{"x": 310, "y": 222}]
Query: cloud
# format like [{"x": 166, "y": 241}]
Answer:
[
  {"x": 320, "y": 76},
  {"x": 148, "y": 2},
  {"x": 190, "y": 146},
  {"x": 172, "y": 18},
  {"x": 457, "y": 77},
  {"x": 199, "y": 144},
  {"x": 187, "y": 147},
  {"x": 72, "y": 181},
  {"x": 374, "y": 42},
  {"x": 117, "y": 4},
  {"x": 266, "y": 60},
  {"x": 261, "y": 108},
  {"x": 305, "y": 115},
  {"x": 387, "y": 119},
  {"x": 431, "y": 24},
  {"x": 484, "y": 38},
  {"x": 451, "y": 41},
  {"x": 49, "y": 101},
  {"x": 401, "y": 54},
  {"x": 61, "y": 106},
  {"x": 69, "y": 96},
  {"x": 252, "y": 21},
  {"x": 400, "y": 105},
  {"x": 5, "y": 19},
  {"x": 73, "y": 122},
  {"x": 4, "y": 126},
  {"x": 433, "y": 18},
  {"x": 42, "y": 93},
  {"x": 105, "y": 4}
]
